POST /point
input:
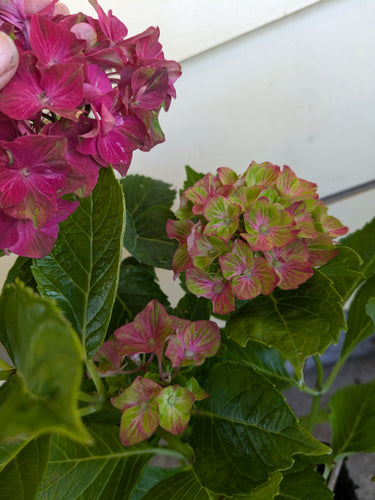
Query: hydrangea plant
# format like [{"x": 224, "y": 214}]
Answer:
[{"x": 101, "y": 374}]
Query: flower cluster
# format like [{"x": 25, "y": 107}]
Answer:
[
  {"x": 151, "y": 400},
  {"x": 241, "y": 236},
  {"x": 77, "y": 95}
]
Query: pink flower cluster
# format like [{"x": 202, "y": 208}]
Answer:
[
  {"x": 78, "y": 96},
  {"x": 151, "y": 401},
  {"x": 241, "y": 236}
]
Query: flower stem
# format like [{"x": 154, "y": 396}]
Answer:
[
  {"x": 315, "y": 405},
  {"x": 96, "y": 379},
  {"x": 176, "y": 444}
]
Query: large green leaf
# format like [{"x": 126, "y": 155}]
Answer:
[
  {"x": 181, "y": 486},
  {"x": 353, "y": 419},
  {"x": 138, "y": 284},
  {"x": 298, "y": 323},
  {"x": 143, "y": 192},
  {"x": 105, "y": 471},
  {"x": 245, "y": 431},
  {"x": 21, "y": 478},
  {"x": 265, "y": 360},
  {"x": 42, "y": 395},
  {"x": 81, "y": 272},
  {"x": 193, "y": 308},
  {"x": 360, "y": 319},
  {"x": 344, "y": 271},
  {"x": 146, "y": 237},
  {"x": 363, "y": 242},
  {"x": 306, "y": 484},
  {"x": 151, "y": 476}
]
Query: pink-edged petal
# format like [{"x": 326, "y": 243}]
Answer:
[
  {"x": 140, "y": 411},
  {"x": 262, "y": 174},
  {"x": 226, "y": 175},
  {"x": 222, "y": 216},
  {"x": 236, "y": 262},
  {"x": 175, "y": 351},
  {"x": 175, "y": 404},
  {"x": 147, "y": 332},
  {"x": 261, "y": 278},
  {"x": 179, "y": 229},
  {"x": 206, "y": 249},
  {"x": 268, "y": 226},
  {"x": 110, "y": 358},
  {"x": 245, "y": 196},
  {"x": 291, "y": 263},
  {"x": 202, "y": 340},
  {"x": 207, "y": 186},
  {"x": 321, "y": 250},
  {"x": 290, "y": 186},
  {"x": 215, "y": 288}
]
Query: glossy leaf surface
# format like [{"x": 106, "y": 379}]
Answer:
[
  {"x": 182, "y": 486},
  {"x": 353, "y": 419},
  {"x": 245, "y": 431},
  {"x": 344, "y": 271},
  {"x": 265, "y": 360},
  {"x": 20, "y": 479},
  {"x": 81, "y": 272},
  {"x": 304, "y": 484},
  {"x": 104, "y": 471},
  {"x": 360, "y": 321},
  {"x": 138, "y": 285},
  {"x": 42, "y": 395},
  {"x": 298, "y": 323}
]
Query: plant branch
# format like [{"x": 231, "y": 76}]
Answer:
[
  {"x": 176, "y": 444},
  {"x": 315, "y": 405},
  {"x": 96, "y": 379}
]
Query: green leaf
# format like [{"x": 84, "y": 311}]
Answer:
[
  {"x": 42, "y": 395},
  {"x": 193, "y": 308},
  {"x": 360, "y": 317},
  {"x": 151, "y": 477},
  {"x": 81, "y": 272},
  {"x": 21, "y": 269},
  {"x": 265, "y": 360},
  {"x": 267, "y": 491},
  {"x": 191, "y": 177},
  {"x": 353, "y": 419},
  {"x": 298, "y": 323},
  {"x": 306, "y": 484},
  {"x": 105, "y": 471},
  {"x": 142, "y": 193},
  {"x": 21, "y": 478},
  {"x": 363, "y": 242},
  {"x": 138, "y": 284},
  {"x": 245, "y": 431},
  {"x": 344, "y": 271},
  {"x": 182, "y": 486},
  {"x": 148, "y": 241}
]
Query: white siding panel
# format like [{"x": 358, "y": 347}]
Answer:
[
  {"x": 189, "y": 27},
  {"x": 300, "y": 92}
]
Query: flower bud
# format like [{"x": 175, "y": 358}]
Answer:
[{"x": 8, "y": 59}]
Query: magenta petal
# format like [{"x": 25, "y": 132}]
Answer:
[
  {"x": 147, "y": 332},
  {"x": 63, "y": 85},
  {"x": 8, "y": 231},
  {"x": 20, "y": 98},
  {"x": 110, "y": 358},
  {"x": 215, "y": 288},
  {"x": 51, "y": 43}
]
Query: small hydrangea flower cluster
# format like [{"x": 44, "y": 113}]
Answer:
[
  {"x": 78, "y": 95},
  {"x": 241, "y": 236},
  {"x": 151, "y": 400}
]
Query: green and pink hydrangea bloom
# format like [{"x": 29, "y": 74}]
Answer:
[
  {"x": 250, "y": 233},
  {"x": 152, "y": 399}
]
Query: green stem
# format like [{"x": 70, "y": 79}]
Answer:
[
  {"x": 334, "y": 372},
  {"x": 176, "y": 444},
  {"x": 87, "y": 398},
  {"x": 87, "y": 410},
  {"x": 96, "y": 379},
  {"x": 315, "y": 405}
]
